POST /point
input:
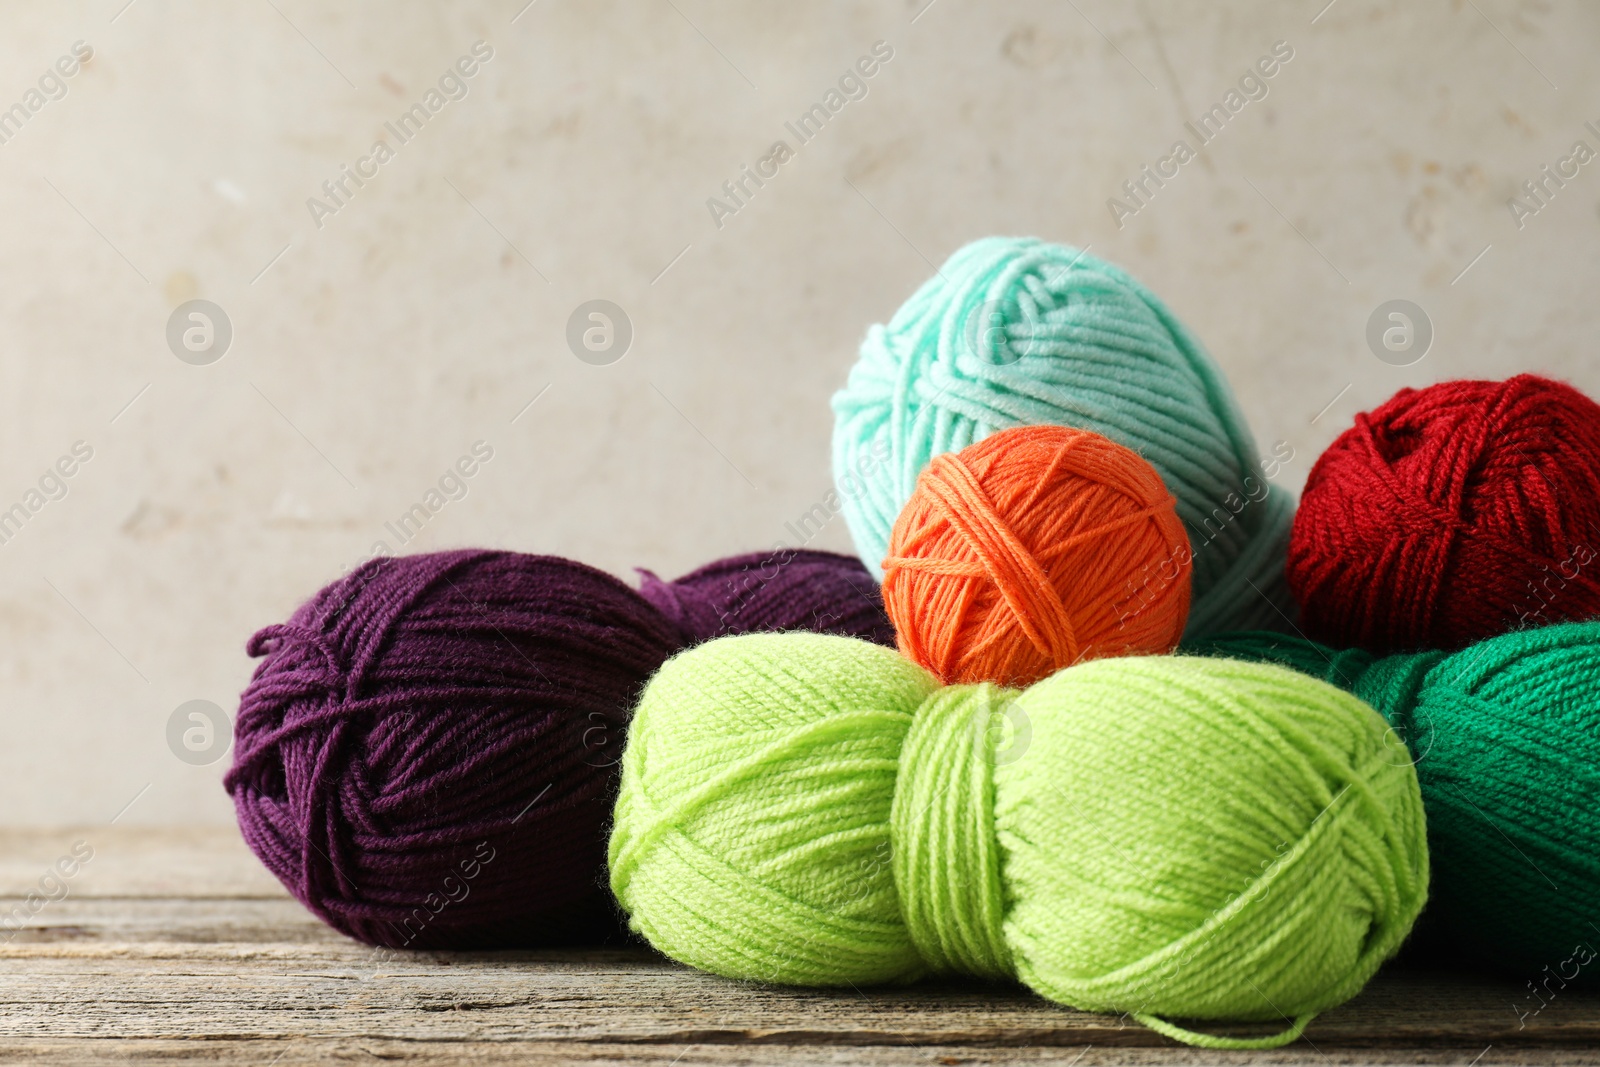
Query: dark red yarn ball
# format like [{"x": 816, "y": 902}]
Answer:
[
  {"x": 427, "y": 757},
  {"x": 1452, "y": 514}
]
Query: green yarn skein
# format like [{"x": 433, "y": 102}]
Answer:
[
  {"x": 1506, "y": 736},
  {"x": 1166, "y": 836},
  {"x": 1013, "y": 332}
]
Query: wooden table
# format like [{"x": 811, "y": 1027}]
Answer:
[{"x": 176, "y": 944}]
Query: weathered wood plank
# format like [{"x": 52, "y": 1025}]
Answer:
[
  {"x": 154, "y": 968},
  {"x": 206, "y": 958},
  {"x": 246, "y": 1053}
]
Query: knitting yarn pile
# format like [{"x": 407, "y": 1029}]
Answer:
[
  {"x": 1451, "y": 514},
  {"x": 1507, "y": 747},
  {"x": 1016, "y": 332},
  {"x": 1034, "y": 549},
  {"x": 1166, "y": 836},
  {"x": 427, "y": 755},
  {"x": 1056, "y": 486}
]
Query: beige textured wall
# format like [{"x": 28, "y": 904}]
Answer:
[{"x": 424, "y": 314}]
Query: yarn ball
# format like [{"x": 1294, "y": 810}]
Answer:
[
  {"x": 426, "y": 757},
  {"x": 1451, "y": 514},
  {"x": 1016, "y": 332},
  {"x": 785, "y": 589},
  {"x": 1034, "y": 549},
  {"x": 1506, "y": 738},
  {"x": 1162, "y": 835}
]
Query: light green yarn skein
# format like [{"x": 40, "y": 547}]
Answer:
[
  {"x": 1167, "y": 836},
  {"x": 1014, "y": 331}
]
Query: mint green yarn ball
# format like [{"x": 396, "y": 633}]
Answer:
[
  {"x": 1015, "y": 331},
  {"x": 1166, "y": 836}
]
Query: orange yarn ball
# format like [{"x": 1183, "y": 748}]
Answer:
[{"x": 1033, "y": 549}]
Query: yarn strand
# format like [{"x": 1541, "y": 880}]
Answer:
[{"x": 1203, "y": 1040}]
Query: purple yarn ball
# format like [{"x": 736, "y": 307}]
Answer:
[
  {"x": 786, "y": 589},
  {"x": 427, "y": 756}
]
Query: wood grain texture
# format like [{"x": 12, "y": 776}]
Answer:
[{"x": 176, "y": 949}]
